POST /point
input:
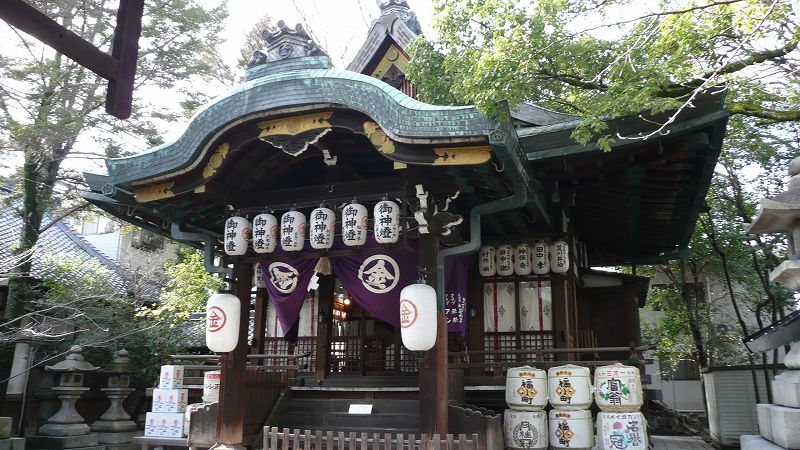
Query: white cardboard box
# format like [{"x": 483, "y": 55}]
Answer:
[
  {"x": 164, "y": 425},
  {"x": 171, "y": 377},
  {"x": 170, "y": 400}
]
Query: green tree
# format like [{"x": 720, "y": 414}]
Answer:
[
  {"x": 51, "y": 108},
  {"x": 568, "y": 55}
]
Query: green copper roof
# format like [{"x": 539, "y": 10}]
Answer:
[{"x": 297, "y": 82}]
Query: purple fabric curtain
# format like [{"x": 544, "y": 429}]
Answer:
[
  {"x": 374, "y": 282},
  {"x": 287, "y": 285}
]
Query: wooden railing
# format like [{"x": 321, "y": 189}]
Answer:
[
  {"x": 498, "y": 359},
  {"x": 275, "y": 439}
]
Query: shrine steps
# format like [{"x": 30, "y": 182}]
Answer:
[{"x": 305, "y": 410}]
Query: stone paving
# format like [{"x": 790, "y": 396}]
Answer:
[{"x": 679, "y": 443}]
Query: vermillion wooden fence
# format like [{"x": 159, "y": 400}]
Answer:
[{"x": 275, "y": 439}]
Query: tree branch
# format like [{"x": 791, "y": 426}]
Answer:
[{"x": 770, "y": 114}]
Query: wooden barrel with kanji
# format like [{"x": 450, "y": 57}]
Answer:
[
  {"x": 526, "y": 388},
  {"x": 617, "y": 430},
  {"x": 525, "y": 429},
  {"x": 618, "y": 388},
  {"x": 571, "y": 429},
  {"x": 570, "y": 387}
]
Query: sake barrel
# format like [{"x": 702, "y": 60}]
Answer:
[
  {"x": 526, "y": 388},
  {"x": 525, "y": 429},
  {"x": 618, "y": 388},
  {"x": 569, "y": 387},
  {"x": 211, "y": 386},
  {"x": 571, "y": 429},
  {"x": 616, "y": 430}
]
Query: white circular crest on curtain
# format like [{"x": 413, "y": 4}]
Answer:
[
  {"x": 379, "y": 273},
  {"x": 283, "y": 276}
]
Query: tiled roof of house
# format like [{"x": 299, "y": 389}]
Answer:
[{"x": 58, "y": 240}]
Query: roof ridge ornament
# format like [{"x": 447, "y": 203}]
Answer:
[
  {"x": 401, "y": 9},
  {"x": 285, "y": 43}
]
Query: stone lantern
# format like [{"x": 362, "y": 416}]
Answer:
[
  {"x": 67, "y": 428},
  {"x": 115, "y": 428}
]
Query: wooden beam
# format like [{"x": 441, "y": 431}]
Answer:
[
  {"x": 25, "y": 17},
  {"x": 125, "y": 51},
  {"x": 233, "y": 377},
  {"x": 260, "y": 322},
  {"x": 327, "y": 287}
]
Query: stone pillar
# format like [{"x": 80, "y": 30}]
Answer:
[
  {"x": 67, "y": 429},
  {"x": 115, "y": 428},
  {"x": 778, "y": 422}
]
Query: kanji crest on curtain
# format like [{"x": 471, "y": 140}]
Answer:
[{"x": 373, "y": 281}]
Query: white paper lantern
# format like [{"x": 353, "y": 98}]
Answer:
[
  {"x": 618, "y": 388},
  {"x": 265, "y": 233},
  {"x": 522, "y": 259},
  {"x": 222, "y": 322},
  {"x": 386, "y": 222},
  {"x": 418, "y": 316},
  {"x": 540, "y": 258},
  {"x": 354, "y": 224},
  {"x": 323, "y": 225},
  {"x": 525, "y": 429},
  {"x": 237, "y": 234},
  {"x": 571, "y": 429},
  {"x": 488, "y": 261},
  {"x": 211, "y": 386},
  {"x": 559, "y": 257},
  {"x": 505, "y": 260},
  {"x": 569, "y": 387},
  {"x": 621, "y": 430},
  {"x": 526, "y": 388},
  {"x": 293, "y": 230}
]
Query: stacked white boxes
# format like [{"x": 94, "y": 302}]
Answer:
[
  {"x": 618, "y": 393},
  {"x": 570, "y": 391},
  {"x": 169, "y": 404},
  {"x": 526, "y": 394}
]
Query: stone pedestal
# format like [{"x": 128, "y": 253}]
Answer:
[
  {"x": 66, "y": 421},
  {"x": 115, "y": 425},
  {"x": 764, "y": 422},
  {"x": 785, "y": 426},
  {"x": 786, "y": 388},
  {"x": 755, "y": 442}
]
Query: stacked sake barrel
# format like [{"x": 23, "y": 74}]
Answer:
[
  {"x": 525, "y": 423},
  {"x": 570, "y": 389},
  {"x": 618, "y": 393}
]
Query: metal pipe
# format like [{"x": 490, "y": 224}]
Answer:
[
  {"x": 208, "y": 249},
  {"x": 517, "y": 200}
]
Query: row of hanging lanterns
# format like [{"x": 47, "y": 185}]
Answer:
[
  {"x": 524, "y": 259},
  {"x": 321, "y": 227}
]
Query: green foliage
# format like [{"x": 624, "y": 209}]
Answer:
[
  {"x": 570, "y": 55},
  {"x": 187, "y": 290}
]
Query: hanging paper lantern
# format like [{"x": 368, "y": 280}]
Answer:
[
  {"x": 354, "y": 224},
  {"x": 559, "y": 257},
  {"x": 323, "y": 224},
  {"x": 522, "y": 259},
  {"x": 265, "y": 233},
  {"x": 488, "y": 261},
  {"x": 237, "y": 234},
  {"x": 505, "y": 260},
  {"x": 540, "y": 258},
  {"x": 293, "y": 230},
  {"x": 387, "y": 222},
  {"x": 418, "y": 316},
  {"x": 222, "y": 322}
]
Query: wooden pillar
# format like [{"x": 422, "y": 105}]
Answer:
[
  {"x": 260, "y": 322},
  {"x": 327, "y": 285},
  {"x": 230, "y": 420},
  {"x": 433, "y": 393}
]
